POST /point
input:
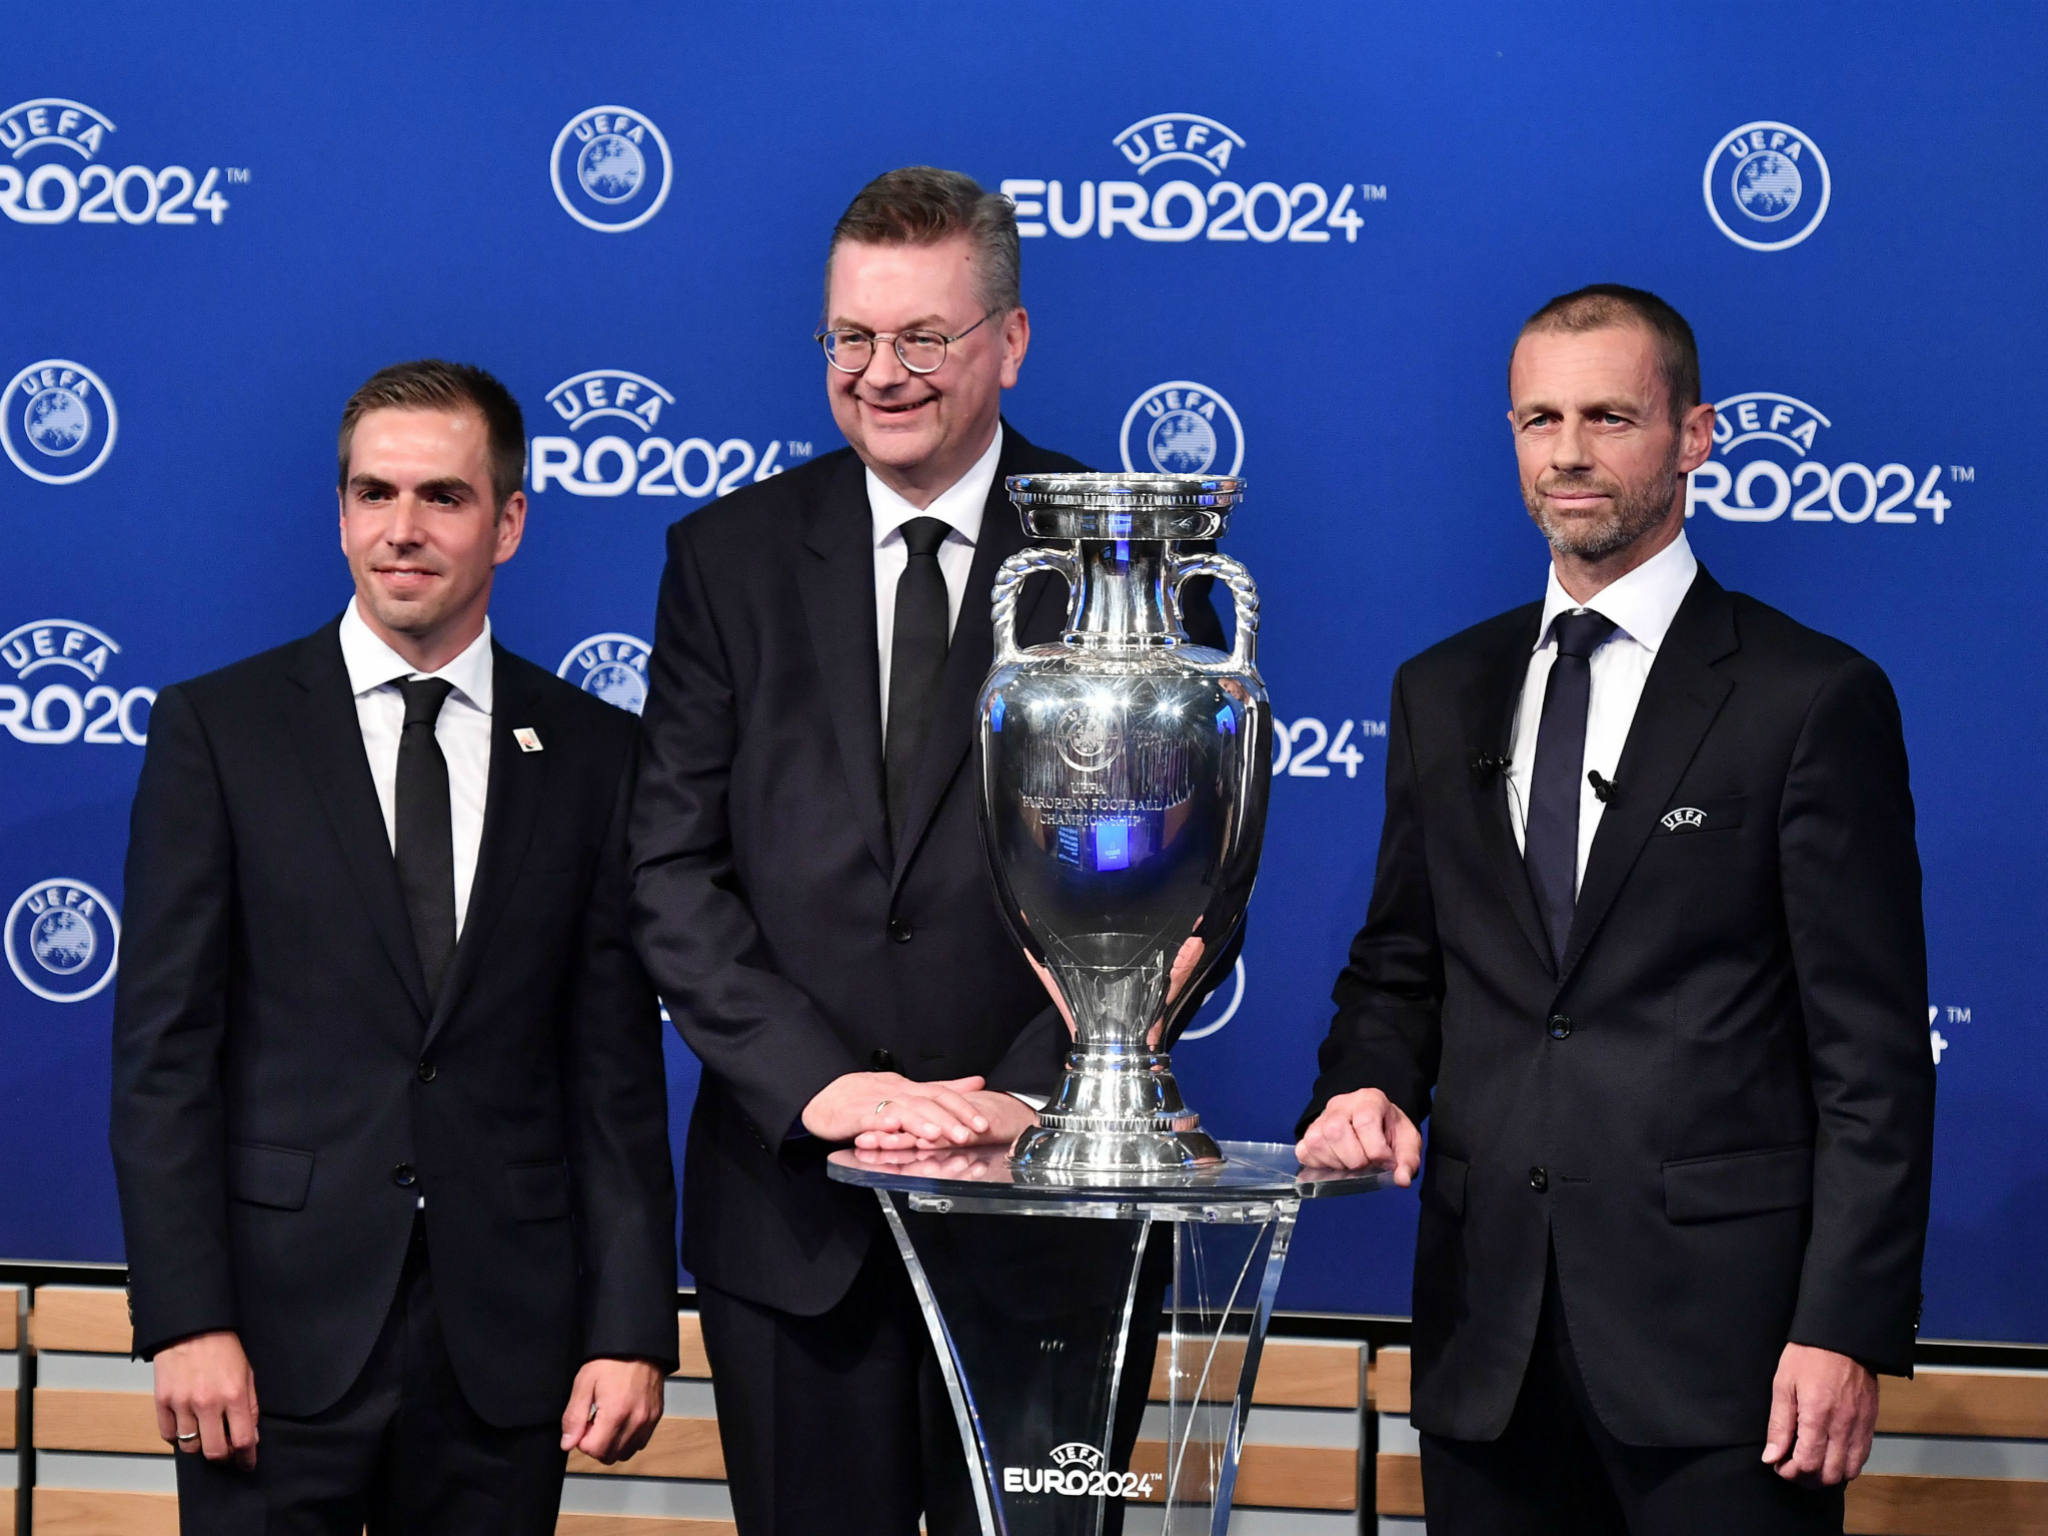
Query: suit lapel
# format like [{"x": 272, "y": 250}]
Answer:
[
  {"x": 1680, "y": 699},
  {"x": 512, "y": 800},
  {"x": 329, "y": 739},
  {"x": 969, "y": 657},
  {"x": 835, "y": 580},
  {"x": 1489, "y": 735}
]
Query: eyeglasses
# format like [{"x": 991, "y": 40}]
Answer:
[{"x": 850, "y": 350}]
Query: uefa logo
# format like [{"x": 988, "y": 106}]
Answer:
[
  {"x": 1182, "y": 428},
  {"x": 50, "y": 173},
  {"x": 57, "y": 421},
  {"x": 63, "y": 938},
  {"x": 1219, "y": 1010},
  {"x": 1766, "y": 464},
  {"x": 1767, "y": 186},
  {"x": 611, "y": 169},
  {"x": 60, "y": 694},
  {"x": 611, "y": 666}
]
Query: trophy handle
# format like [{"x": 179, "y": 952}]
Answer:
[
  {"x": 1010, "y": 579},
  {"x": 1243, "y": 593}
]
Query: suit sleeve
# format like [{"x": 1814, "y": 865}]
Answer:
[
  {"x": 759, "y": 1033},
  {"x": 1387, "y": 1033},
  {"x": 168, "y": 1123},
  {"x": 1851, "y": 880},
  {"x": 618, "y": 1123}
]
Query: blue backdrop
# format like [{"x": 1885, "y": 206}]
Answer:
[{"x": 1298, "y": 238}]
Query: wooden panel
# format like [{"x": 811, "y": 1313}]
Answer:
[
  {"x": 92, "y": 1320},
  {"x": 1963, "y": 1403},
  {"x": 10, "y": 1322},
  {"x": 90, "y": 1512},
  {"x": 640, "y": 1525},
  {"x": 6, "y": 1427},
  {"x": 1390, "y": 1381},
  {"x": 1885, "y": 1505},
  {"x": 1290, "y": 1375},
  {"x": 690, "y": 1347},
  {"x": 1275, "y": 1476},
  {"x": 1400, "y": 1484},
  {"x": 679, "y": 1448},
  {"x": 97, "y": 1421},
  {"x": 7, "y": 1503}
]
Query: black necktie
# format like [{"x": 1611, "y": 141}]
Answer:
[
  {"x": 1551, "y": 838},
  {"x": 426, "y": 843},
  {"x": 917, "y": 655}
]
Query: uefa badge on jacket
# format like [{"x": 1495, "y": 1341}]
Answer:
[{"x": 1124, "y": 781}]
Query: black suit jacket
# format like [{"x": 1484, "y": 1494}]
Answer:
[
  {"x": 276, "y": 1062},
  {"x": 794, "y": 941},
  {"x": 1727, "y": 1095}
]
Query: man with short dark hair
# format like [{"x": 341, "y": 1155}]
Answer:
[
  {"x": 1645, "y": 945},
  {"x": 389, "y": 1118},
  {"x": 812, "y": 897}
]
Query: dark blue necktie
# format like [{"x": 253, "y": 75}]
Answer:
[
  {"x": 1550, "y": 846},
  {"x": 917, "y": 655},
  {"x": 426, "y": 842}
]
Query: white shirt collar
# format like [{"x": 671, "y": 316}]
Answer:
[
  {"x": 1642, "y": 604},
  {"x": 959, "y": 506},
  {"x": 372, "y": 664}
]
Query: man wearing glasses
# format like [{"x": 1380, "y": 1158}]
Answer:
[{"x": 812, "y": 897}]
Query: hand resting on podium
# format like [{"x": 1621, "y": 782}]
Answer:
[
  {"x": 1363, "y": 1129},
  {"x": 888, "y": 1111}
]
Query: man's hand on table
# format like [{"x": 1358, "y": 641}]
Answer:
[{"x": 888, "y": 1111}]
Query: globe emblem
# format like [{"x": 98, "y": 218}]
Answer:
[
  {"x": 611, "y": 168},
  {"x": 62, "y": 941},
  {"x": 1767, "y": 185},
  {"x": 1181, "y": 443},
  {"x": 57, "y": 421},
  {"x": 618, "y": 685}
]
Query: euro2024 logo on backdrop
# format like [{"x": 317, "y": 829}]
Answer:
[
  {"x": 1176, "y": 209},
  {"x": 1182, "y": 428},
  {"x": 52, "y": 661},
  {"x": 1746, "y": 479},
  {"x": 63, "y": 940},
  {"x": 1767, "y": 186},
  {"x": 57, "y": 421},
  {"x": 43, "y": 137},
  {"x": 607, "y": 463},
  {"x": 611, "y": 169},
  {"x": 612, "y": 666}
]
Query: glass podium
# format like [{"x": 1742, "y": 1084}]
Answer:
[{"x": 1054, "y": 1334}]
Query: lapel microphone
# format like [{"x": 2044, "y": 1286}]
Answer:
[
  {"x": 1484, "y": 763},
  {"x": 1603, "y": 788}
]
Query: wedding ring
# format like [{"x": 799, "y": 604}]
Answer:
[
  {"x": 884, "y": 1104},
  {"x": 193, "y": 1436}
]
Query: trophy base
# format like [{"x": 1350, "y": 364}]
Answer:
[{"x": 1115, "y": 1147}]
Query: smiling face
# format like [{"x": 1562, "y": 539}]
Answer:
[
  {"x": 920, "y": 432},
  {"x": 1603, "y": 465},
  {"x": 420, "y": 530}
]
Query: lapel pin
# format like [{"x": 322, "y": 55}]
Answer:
[
  {"x": 1685, "y": 819},
  {"x": 528, "y": 738}
]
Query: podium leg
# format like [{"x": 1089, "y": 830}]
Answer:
[{"x": 1047, "y": 1331}]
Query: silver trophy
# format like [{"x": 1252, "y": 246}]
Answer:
[{"x": 1124, "y": 779}]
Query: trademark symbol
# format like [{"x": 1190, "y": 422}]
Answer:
[
  {"x": 238, "y": 174},
  {"x": 1372, "y": 193},
  {"x": 1962, "y": 472},
  {"x": 799, "y": 450}
]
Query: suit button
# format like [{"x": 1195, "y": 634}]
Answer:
[
  {"x": 900, "y": 930},
  {"x": 882, "y": 1060},
  {"x": 1560, "y": 1027},
  {"x": 1539, "y": 1179},
  {"x": 426, "y": 1072},
  {"x": 405, "y": 1176}
]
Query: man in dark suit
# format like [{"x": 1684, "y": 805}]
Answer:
[
  {"x": 1645, "y": 943},
  {"x": 389, "y": 1116},
  {"x": 812, "y": 897}
]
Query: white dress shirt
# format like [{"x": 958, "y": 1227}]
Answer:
[
  {"x": 463, "y": 729},
  {"x": 959, "y": 506},
  {"x": 1642, "y": 604}
]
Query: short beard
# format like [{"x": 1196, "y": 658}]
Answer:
[{"x": 1635, "y": 511}]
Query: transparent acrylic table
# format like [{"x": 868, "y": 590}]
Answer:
[{"x": 1048, "y": 1331}]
